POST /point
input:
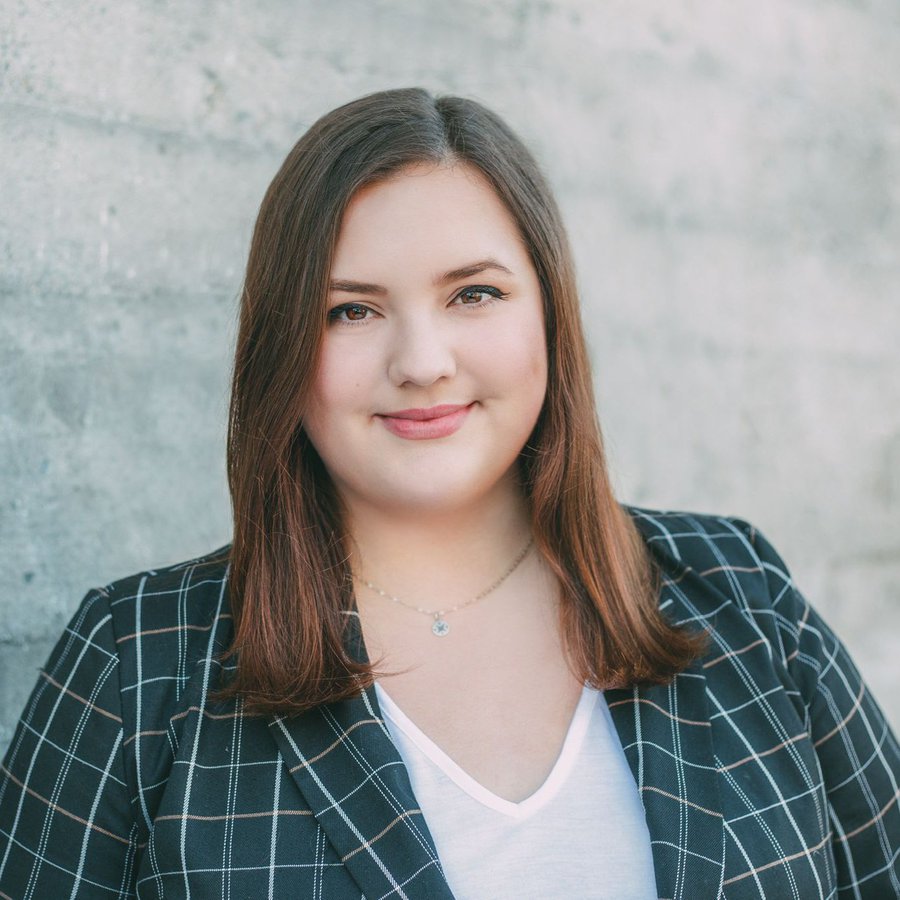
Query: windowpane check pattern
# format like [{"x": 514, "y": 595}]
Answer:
[{"x": 765, "y": 770}]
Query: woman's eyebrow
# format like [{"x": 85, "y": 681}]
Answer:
[
  {"x": 357, "y": 287},
  {"x": 364, "y": 287},
  {"x": 470, "y": 270}
]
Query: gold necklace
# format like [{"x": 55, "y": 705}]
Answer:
[{"x": 439, "y": 626}]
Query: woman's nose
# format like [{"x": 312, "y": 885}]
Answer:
[{"x": 421, "y": 352}]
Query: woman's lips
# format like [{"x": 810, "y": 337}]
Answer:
[{"x": 425, "y": 429}]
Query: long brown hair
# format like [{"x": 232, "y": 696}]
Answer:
[{"x": 289, "y": 583}]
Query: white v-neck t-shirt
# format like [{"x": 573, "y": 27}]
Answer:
[{"x": 582, "y": 834}]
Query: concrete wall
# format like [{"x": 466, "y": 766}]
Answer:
[{"x": 730, "y": 173}]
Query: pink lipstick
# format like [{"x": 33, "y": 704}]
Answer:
[{"x": 425, "y": 424}]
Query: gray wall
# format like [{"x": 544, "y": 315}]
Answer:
[{"x": 730, "y": 173}]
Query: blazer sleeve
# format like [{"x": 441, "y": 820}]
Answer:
[
  {"x": 66, "y": 828},
  {"x": 857, "y": 751}
]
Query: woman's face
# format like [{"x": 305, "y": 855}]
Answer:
[{"x": 434, "y": 302}]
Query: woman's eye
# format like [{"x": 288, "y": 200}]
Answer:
[
  {"x": 480, "y": 295},
  {"x": 355, "y": 312}
]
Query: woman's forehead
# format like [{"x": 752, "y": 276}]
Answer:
[{"x": 448, "y": 213}]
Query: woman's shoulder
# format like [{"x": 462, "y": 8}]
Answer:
[
  {"x": 723, "y": 549},
  {"x": 162, "y": 627},
  {"x": 721, "y": 573},
  {"x": 189, "y": 589},
  {"x": 179, "y": 611},
  {"x": 196, "y": 572},
  {"x": 167, "y": 631},
  {"x": 186, "y": 587},
  {"x": 695, "y": 538}
]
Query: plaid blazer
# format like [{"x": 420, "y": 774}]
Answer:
[{"x": 766, "y": 769}]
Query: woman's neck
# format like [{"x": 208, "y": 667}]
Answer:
[{"x": 450, "y": 552}]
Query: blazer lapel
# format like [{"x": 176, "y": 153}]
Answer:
[
  {"x": 343, "y": 760},
  {"x": 666, "y": 734}
]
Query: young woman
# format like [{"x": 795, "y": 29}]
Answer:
[{"x": 439, "y": 659}]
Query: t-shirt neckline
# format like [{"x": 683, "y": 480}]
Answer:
[{"x": 522, "y": 809}]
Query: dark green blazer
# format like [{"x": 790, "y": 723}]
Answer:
[{"x": 765, "y": 770}]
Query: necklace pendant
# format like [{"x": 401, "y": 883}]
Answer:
[{"x": 439, "y": 627}]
